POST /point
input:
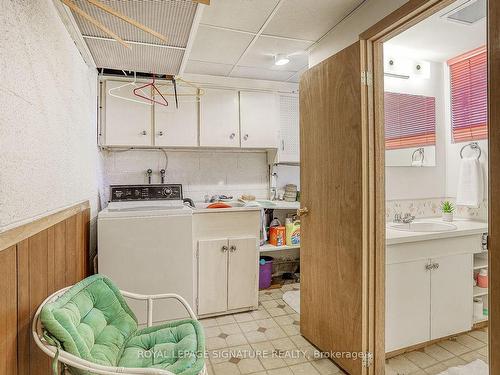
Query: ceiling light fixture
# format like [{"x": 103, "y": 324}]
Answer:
[{"x": 281, "y": 59}]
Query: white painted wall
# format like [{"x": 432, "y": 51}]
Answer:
[
  {"x": 200, "y": 172},
  {"x": 48, "y": 153},
  {"x": 347, "y": 32},
  {"x": 406, "y": 182}
]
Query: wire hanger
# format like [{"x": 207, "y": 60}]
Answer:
[
  {"x": 111, "y": 92},
  {"x": 198, "y": 91},
  {"x": 138, "y": 92}
]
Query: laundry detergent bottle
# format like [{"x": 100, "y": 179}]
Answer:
[{"x": 292, "y": 232}]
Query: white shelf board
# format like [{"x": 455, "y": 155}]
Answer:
[
  {"x": 268, "y": 247},
  {"x": 480, "y": 261},
  {"x": 478, "y": 292}
]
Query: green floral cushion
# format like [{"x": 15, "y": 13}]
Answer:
[{"x": 93, "y": 321}]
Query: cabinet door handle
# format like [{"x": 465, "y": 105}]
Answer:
[
  {"x": 232, "y": 248},
  {"x": 429, "y": 266},
  {"x": 160, "y": 134},
  {"x": 232, "y": 136},
  {"x": 282, "y": 145},
  {"x": 245, "y": 137},
  {"x": 144, "y": 132},
  {"x": 435, "y": 266},
  {"x": 225, "y": 249}
]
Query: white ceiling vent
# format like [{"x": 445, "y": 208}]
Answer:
[{"x": 468, "y": 13}]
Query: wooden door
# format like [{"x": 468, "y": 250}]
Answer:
[
  {"x": 8, "y": 311},
  {"x": 334, "y": 248},
  {"x": 408, "y": 304},
  {"x": 259, "y": 119},
  {"x": 177, "y": 127},
  {"x": 451, "y": 290},
  {"x": 127, "y": 123},
  {"x": 242, "y": 288},
  {"x": 219, "y": 118},
  {"x": 212, "y": 276}
]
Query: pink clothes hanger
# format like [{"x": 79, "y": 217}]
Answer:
[{"x": 140, "y": 94}]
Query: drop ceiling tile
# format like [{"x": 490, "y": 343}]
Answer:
[
  {"x": 219, "y": 46},
  {"x": 257, "y": 73},
  {"x": 171, "y": 18},
  {"x": 140, "y": 58},
  {"x": 309, "y": 19},
  {"x": 247, "y": 15},
  {"x": 203, "y": 67},
  {"x": 261, "y": 54},
  {"x": 296, "y": 77}
]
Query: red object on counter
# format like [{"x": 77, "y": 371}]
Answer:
[{"x": 218, "y": 205}]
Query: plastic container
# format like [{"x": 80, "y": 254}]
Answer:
[
  {"x": 292, "y": 232},
  {"x": 265, "y": 272},
  {"x": 482, "y": 278},
  {"x": 277, "y": 236}
]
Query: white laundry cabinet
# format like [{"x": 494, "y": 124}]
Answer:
[{"x": 227, "y": 252}]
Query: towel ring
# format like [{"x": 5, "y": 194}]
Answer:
[
  {"x": 421, "y": 152},
  {"x": 474, "y": 146}
]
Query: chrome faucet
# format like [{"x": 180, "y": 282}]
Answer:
[{"x": 406, "y": 219}]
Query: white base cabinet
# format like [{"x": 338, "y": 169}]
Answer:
[
  {"x": 427, "y": 299},
  {"x": 227, "y": 252}
]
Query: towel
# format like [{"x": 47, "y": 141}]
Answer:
[{"x": 470, "y": 183}]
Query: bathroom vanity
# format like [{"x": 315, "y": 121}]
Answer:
[{"x": 429, "y": 280}]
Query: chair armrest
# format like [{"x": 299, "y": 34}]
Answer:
[{"x": 153, "y": 297}]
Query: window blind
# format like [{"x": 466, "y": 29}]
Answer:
[
  {"x": 469, "y": 96},
  {"x": 410, "y": 120}
]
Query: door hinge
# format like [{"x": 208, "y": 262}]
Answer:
[
  {"x": 366, "y": 78},
  {"x": 367, "y": 360},
  {"x": 485, "y": 242}
]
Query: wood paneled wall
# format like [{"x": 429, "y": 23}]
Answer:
[{"x": 37, "y": 265}]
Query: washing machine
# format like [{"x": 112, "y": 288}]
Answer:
[{"x": 145, "y": 246}]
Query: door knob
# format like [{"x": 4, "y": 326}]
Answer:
[
  {"x": 302, "y": 211},
  {"x": 232, "y": 248},
  {"x": 224, "y": 248}
]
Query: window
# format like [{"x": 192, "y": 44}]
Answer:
[
  {"x": 410, "y": 120},
  {"x": 469, "y": 96}
]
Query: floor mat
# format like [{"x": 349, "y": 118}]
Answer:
[
  {"x": 292, "y": 298},
  {"x": 477, "y": 367}
]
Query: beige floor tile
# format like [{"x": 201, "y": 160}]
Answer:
[
  {"x": 215, "y": 343},
  {"x": 438, "y": 353},
  {"x": 454, "y": 347},
  {"x": 401, "y": 364},
  {"x": 291, "y": 330},
  {"x": 300, "y": 341},
  {"x": 274, "y": 333},
  {"x": 480, "y": 335},
  {"x": 483, "y": 351},
  {"x": 226, "y": 319},
  {"x": 236, "y": 339},
  {"x": 436, "y": 369},
  {"x": 210, "y": 322},
  {"x": 248, "y": 326},
  {"x": 421, "y": 359},
  {"x": 284, "y": 320},
  {"x": 226, "y": 368},
  {"x": 243, "y": 317},
  {"x": 272, "y": 362},
  {"x": 212, "y": 331},
  {"x": 280, "y": 371},
  {"x": 470, "y": 342},
  {"x": 250, "y": 365},
  {"x": 284, "y": 344},
  {"x": 472, "y": 356},
  {"x": 260, "y": 314},
  {"x": 304, "y": 369},
  {"x": 255, "y": 337},
  {"x": 210, "y": 370},
  {"x": 230, "y": 329},
  {"x": 455, "y": 361},
  {"x": 326, "y": 367}
]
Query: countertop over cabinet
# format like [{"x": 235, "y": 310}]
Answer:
[{"x": 465, "y": 227}]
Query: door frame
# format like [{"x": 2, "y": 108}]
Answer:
[{"x": 411, "y": 13}]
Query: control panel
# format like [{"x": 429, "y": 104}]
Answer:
[{"x": 120, "y": 193}]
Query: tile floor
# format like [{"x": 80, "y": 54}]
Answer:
[{"x": 267, "y": 341}]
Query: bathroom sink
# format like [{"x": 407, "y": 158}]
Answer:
[{"x": 424, "y": 226}]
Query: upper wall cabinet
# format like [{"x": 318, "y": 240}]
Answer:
[
  {"x": 219, "y": 118},
  {"x": 177, "y": 127},
  {"x": 259, "y": 119},
  {"x": 289, "y": 144},
  {"x": 127, "y": 122}
]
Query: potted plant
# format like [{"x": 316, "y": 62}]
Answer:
[{"x": 447, "y": 208}]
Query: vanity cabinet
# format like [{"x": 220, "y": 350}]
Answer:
[
  {"x": 227, "y": 252},
  {"x": 219, "y": 118},
  {"x": 427, "y": 299},
  {"x": 259, "y": 116}
]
